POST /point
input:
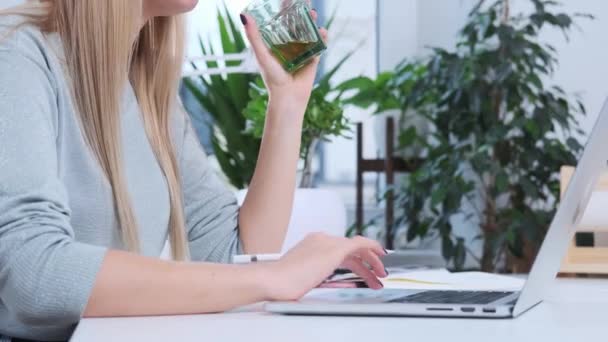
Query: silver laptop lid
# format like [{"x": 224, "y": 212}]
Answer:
[{"x": 568, "y": 215}]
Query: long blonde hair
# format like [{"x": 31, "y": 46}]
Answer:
[{"x": 106, "y": 47}]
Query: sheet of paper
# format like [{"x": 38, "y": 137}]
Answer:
[
  {"x": 595, "y": 217},
  {"x": 354, "y": 277},
  {"x": 442, "y": 279}
]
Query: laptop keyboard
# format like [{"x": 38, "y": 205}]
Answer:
[{"x": 453, "y": 297}]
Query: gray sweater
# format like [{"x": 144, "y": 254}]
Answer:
[{"x": 56, "y": 214}]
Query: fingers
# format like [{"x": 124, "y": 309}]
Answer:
[
  {"x": 312, "y": 65},
  {"x": 369, "y": 252},
  {"x": 260, "y": 50},
  {"x": 356, "y": 265},
  {"x": 374, "y": 262},
  {"x": 365, "y": 254},
  {"x": 314, "y": 14},
  {"x": 360, "y": 243},
  {"x": 324, "y": 34}
]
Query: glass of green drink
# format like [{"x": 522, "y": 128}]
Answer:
[{"x": 288, "y": 30}]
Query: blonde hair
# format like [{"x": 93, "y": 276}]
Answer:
[{"x": 106, "y": 47}]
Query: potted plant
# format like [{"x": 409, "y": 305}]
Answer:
[
  {"x": 387, "y": 95},
  {"x": 499, "y": 133},
  {"x": 324, "y": 118},
  {"x": 225, "y": 97}
]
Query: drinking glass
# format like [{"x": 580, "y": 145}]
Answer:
[{"x": 289, "y": 31}]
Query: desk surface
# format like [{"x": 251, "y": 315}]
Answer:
[{"x": 575, "y": 310}]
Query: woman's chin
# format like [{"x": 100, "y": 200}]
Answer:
[
  {"x": 188, "y": 5},
  {"x": 165, "y": 8}
]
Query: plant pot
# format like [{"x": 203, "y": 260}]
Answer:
[{"x": 314, "y": 210}]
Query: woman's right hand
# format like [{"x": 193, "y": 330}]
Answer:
[{"x": 314, "y": 259}]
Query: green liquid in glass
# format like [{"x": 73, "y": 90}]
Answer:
[
  {"x": 306, "y": 41},
  {"x": 295, "y": 55}
]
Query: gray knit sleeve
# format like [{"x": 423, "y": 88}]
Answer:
[
  {"x": 211, "y": 209},
  {"x": 46, "y": 276}
]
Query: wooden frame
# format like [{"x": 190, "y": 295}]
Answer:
[
  {"x": 389, "y": 166},
  {"x": 584, "y": 260}
]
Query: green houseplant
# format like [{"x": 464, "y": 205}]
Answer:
[
  {"x": 388, "y": 95},
  {"x": 390, "y": 90},
  {"x": 324, "y": 118},
  {"x": 225, "y": 97},
  {"x": 499, "y": 134}
]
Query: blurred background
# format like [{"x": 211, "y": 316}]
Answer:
[
  {"x": 522, "y": 47},
  {"x": 383, "y": 34},
  {"x": 386, "y": 32},
  {"x": 392, "y": 30}
]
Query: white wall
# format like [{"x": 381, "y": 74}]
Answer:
[
  {"x": 203, "y": 21},
  {"x": 354, "y": 27},
  {"x": 583, "y": 61},
  {"x": 399, "y": 34}
]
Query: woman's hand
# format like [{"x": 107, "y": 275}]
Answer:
[
  {"x": 266, "y": 211},
  {"x": 282, "y": 86},
  {"x": 314, "y": 259}
]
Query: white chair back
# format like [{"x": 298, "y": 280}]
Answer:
[{"x": 314, "y": 210}]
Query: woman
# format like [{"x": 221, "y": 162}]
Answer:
[{"x": 99, "y": 167}]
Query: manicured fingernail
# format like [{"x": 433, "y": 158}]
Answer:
[{"x": 244, "y": 19}]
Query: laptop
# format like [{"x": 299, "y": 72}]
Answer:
[{"x": 482, "y": 304}]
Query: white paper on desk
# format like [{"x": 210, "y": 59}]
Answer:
[
  {"x": 442, "y": 279},
  {"x": 596, "y": 217}
]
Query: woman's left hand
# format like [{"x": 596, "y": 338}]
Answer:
[{"x": 282, "y": 86}]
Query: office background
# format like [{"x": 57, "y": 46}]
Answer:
[
  {"x": 387, "y": 31},
  {"x": 405, "y": 29}
]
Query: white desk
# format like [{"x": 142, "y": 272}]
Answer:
[{"x": 575, "y": 310}]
